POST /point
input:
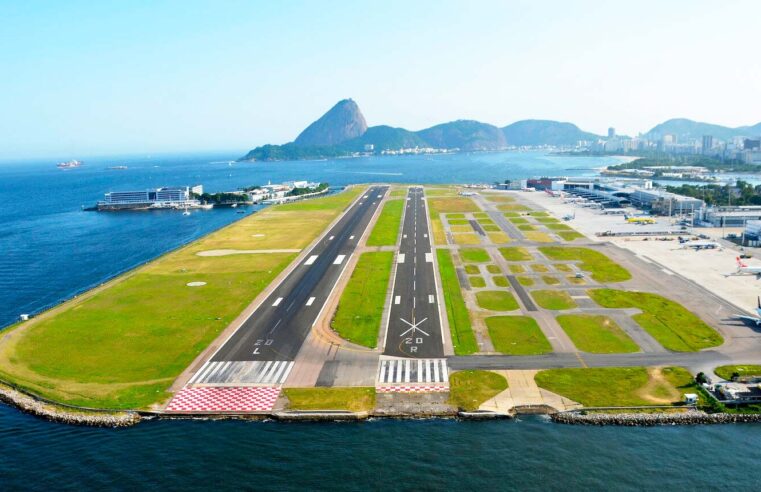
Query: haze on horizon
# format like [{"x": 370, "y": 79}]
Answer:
[{"x": 83, "y": 78}]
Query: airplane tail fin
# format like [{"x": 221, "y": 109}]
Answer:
[{"x": 740, "y": 263}]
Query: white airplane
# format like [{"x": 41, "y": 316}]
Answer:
[
  {"x": 755, "y": 319},
  {"x": 698, "y": 245},
  {"x": 744, "y": 269}
]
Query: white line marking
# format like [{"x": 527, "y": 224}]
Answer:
[
  {"x": 431, "y": 299},
  {"x": 399, "y": 368},
  {"x": 311, "y": 260},
  {"x": 383, "y": 371},
  {"x": 198, "y": 374},
  {"x": 444, "y": 376},
  {"x": 397, "y": 299},
  {"x": 400, "y": 258},
  {"x": 286, "y": 373},
  {"x": 407, "y": 371},
  {"x": 339, "y": 259},
  {"x": 277, "y": 301},
  {"x": 331, "y": 238},
  {"x": 310, "y": 301},
  {"x": 351, "y": 237},
  {"x": 436, "y": 371},
  {"x": 405, "y": 236},
  {"x": 667, "y": 272},
  {"x": 429, "y": 257},
  {"x": 579, "y": 297},
  {"x": 425, "y": 235},
  {"x": 420, "y": 370}
]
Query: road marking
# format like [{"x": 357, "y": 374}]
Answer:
[
  {"x": 667, "y": 272},
  {"x": 339, "y": 259},
  {"x": 579, "y": 297},
  {"x": 400, "y": 258},
  {"x": 351, "y": 237},
  {"x": 431, "y": 299},
  {"x": 380, "y": 196},
  {"x": 429, "y": 257},
  {"x": 397, "y": 299},
  {"x": 405, "y": 236},
  {"x": 331, "y": 238},
  {"x": 311, "y": 260},
  {"x": 425, "y": 235},
  {"x": 277, "y": 301},
  {"x": 310, "y": 301}
]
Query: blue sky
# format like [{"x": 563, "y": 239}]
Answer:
[{"x": 84, "y": 78}]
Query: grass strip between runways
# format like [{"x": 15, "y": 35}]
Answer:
[
  {"x": 386, "y": 229},
  {"x": 517, "y": 335},
  {"x": 463, "y": 338},
  {"x": 360, "y": 309},
  {"x": 468, "y": 390},
  {"x": 360, "y": 399}
]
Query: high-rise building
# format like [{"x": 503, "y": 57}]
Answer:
[
  {"x": 611, "y": 132},
  {"x": 707, "y": 143}
]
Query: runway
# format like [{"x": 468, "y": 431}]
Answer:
[
  {"x": 257, "y": 352},
  {"x": 414, "y": 323}
]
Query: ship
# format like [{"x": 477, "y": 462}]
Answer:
[{"x": 69, "y": 164}]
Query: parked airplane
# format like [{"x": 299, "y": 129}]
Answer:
[
  {"x": 754, "y": 319},
  {"x": 744, "y": 269},
  {"x": 698, "y": 245}
]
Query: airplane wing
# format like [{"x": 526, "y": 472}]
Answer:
[{"x": 744, "y": 317}]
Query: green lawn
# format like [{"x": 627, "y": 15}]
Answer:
[
  {"x": 468, "y": 390},
  {"x": 459, "y": 222},
  {"x": 558, "y": 227},
  {"x": 493, "y": 268},
  {"x": 386, "y": 229},
  {"x": 540, "y": 268},
  {"x": 553, "y": 299},
  {"x": 360, "y": 308},
  {"x": 617, "y": 386},
  {"x": 526, "y": 227},
  {"x": 570, "y": 235},
  {"x": 496, "y": 300},
  {"x": 513, "y": 208},
  {"x": 359, "y": 399},
  {"x": 455, "y": 216},
  {"x": 596, "y": 334},
  {"x": 601, "y": 268},
  {"x": 525, "y": 281},
  {"x": 491, "y": 228},
  {"x": 539, "y": 214},
  {"x": 515, "y": 253},
  {"x": 669, "y": 322},
  {"x": 472, "y": 269},
  {"x": 517, "y": 335},
  {"x": 550, "y": 280},
  {"x": 544, "y": 219},
  {"x": 500, "y": 281},
  {"x": 398, "y": 193},
  {"x": 122, "y": 345},
  {"x": 463, "y": 338},
  {"x": 516, "y": 269},
  {"x": 474, "y": 255},
  {"x": 477, "y": 281},
  {"x": 562, "y": 267},
  {"x": 519, "y": 220},
  {"x": 725, "y": 372}
]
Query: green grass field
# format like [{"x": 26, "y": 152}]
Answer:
[
  {"x": 463, "y": 338},
  {"x": 513, "y": 207},
  {"x": 468, "y": 390},
  {"x": 519, "y": 220},
  {"x": 526, "y": 227},
  {"x": 558, "y": 227},
  {"x": 525, "y": 281},
  {"x": 596, "y": 334},
  {"x": 515, "y": 253},
  {"x": 500, "y": 281},
  {"x": 474, "y": 255},
  {"x": 553, "y": 299},
  {"x": 455, "y": 216},
  {"x": 570, "y": 235},
  {"x": 398, "y": 193},
  {"x": 477, "y": 281},
  {"x": 496, "y": 300},
  {"x": 358, "y": 316},
  {"x": 537, "y": 236},
  {"x": 516, "y": 269},
  {"x": 550, "y": 280},
  {"x": 601, "y": 268},
  {"x": 669, "y": 322},
  {"x": 517, "y": 335},
  {"x": 359, "y": 399},
  {"x": 491, "y": 228},
  {"x": 540, "y": 268},
  {"x": 472, "y": 269},
  {"x": 386, "y": 229},
  {"x": 562, "y": 267},
  {"x": 123, "y": 344},
  {"x": 460, "y": 222},
  {"x": 725, "y": 372},
  {"x": 493, "y": 268},
  {"x": 544, "y": 219},
  {"x": 618, "y": 386}
]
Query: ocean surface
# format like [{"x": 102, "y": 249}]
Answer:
[{"x": 52, "y": 250}]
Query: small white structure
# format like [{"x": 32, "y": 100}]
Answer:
[
  {"x": 24, "y": 317},
  {"x": 690, "y": 398}
]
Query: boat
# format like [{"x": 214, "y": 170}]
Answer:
[
  {"x": 186, "y": 212},
  {"x": 118, "y": 167},
  {"x": 69, "y": 164},
  {"x": 234, "y": 205}
]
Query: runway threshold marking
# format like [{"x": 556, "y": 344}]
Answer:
[
  {"x": 339, "y": 259},
  {"x": 310, "y": 301},
  {"x": 277, "y": 302},
  {"x": 311, "y": 260}
]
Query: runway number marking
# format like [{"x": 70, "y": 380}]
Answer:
[
  {"x": 277, "y": 301},
  {"x": 339, "y": 259},
  {"x": 310, "y": 301},
  {"x": 311, "y": 260},
  {"x": 262, "y": 342}
]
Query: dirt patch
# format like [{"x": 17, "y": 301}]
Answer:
[{"x": 658, "y": 389}]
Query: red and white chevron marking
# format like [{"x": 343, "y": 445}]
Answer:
[
  {"x": 224, "y": 399},
  {"x": 438, "y": 388}
]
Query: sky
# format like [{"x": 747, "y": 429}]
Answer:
[{"x": 108, "y": 77}]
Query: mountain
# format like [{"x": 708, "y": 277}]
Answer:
[
  {"x": 685, "y": 129},
  {"x": 385, "y": 137},
  {"x": 464, "y": 135},
  {"x": 544, "y": 132},
  {"x": 342, "y": 122}
]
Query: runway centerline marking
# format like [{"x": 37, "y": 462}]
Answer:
[
  {"x": 277, "y": 302},
  {"x": 339, "y": 259},
  {"x": 310, "y": 301},
  {"x": 311, "y": 260}
]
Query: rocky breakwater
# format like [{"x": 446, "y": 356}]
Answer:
[
  {"x": 691, "y": 417},
  {"x": 65, "y": 414}
]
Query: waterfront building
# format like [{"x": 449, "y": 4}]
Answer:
[{"x": 165, "y": 197}]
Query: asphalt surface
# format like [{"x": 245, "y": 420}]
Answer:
[
  {"x": 278, "y": 328},
  {"x": 414, "y": 324}
]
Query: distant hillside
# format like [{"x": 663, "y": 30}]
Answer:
[
  {"x": 385, "y": 137},
  {"x": 685, "y": 129},
  {"x": 464, "y": 135},
  {"x": 342, "y": 122},
  {"x": 545, "y": 132}
]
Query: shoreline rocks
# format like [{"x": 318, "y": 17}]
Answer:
[
  {"x": 651, "y": 419},
  {"x": 63, "y": 414}
]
